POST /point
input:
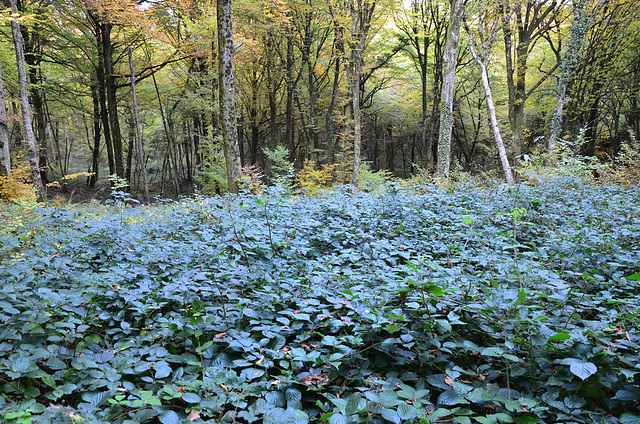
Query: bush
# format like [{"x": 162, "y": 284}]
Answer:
[
  {"x": 17, "y": 187},
  {"x": 373, "y": 181},
  {"x": 313, "y": 181}
]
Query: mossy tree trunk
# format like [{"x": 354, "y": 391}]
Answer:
[
  {"x": 227, "y": 94},
  {"x": 5, "y": 155},
  {"x": 26, "y": 107},
  {"x": 448, "y": 85}
]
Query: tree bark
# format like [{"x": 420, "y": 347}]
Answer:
[
  {"x": 5, "y": 154},
  {"x": 112, "y": 101},
  {"x": 102, "y": 92},
  {"x": 227, "y": 94},
  {"x": 95, "y": 153},
  {"x": 448, "y": 86},
  {"x": 571, "y": 58},
  {"x": 26, "y": 107},
  {"x": 141, "y": 163},
  {"x": 502, "y": 152}
]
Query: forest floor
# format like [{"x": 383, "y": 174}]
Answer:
[{"x": 510, "y": 304}]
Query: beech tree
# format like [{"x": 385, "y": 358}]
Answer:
[
  {"x": 569, "y": 62},
  {"x": 5, "y": 154},
  {"x": 352, "y": 20},
  {"x": 525, "y": 24},
  {"x": 227, "y": 94},
  {"x": 481, "y": 58},
  {"x": 448, "y": 84},
  {"x": 424, "y": 23},
  {"x": 26, "y": 107}
]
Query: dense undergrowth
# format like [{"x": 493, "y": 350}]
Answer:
[{"x": 480, "y": 305}]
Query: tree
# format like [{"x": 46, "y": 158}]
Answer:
[
  {"x": 26, "y": 107},
  {"x": 227, "y": 94},
  {"x": 569, "y": 63},
  {"x": 533, "y": 20},
  {"x": 424, "y": 23},
  {"x": 495, "y": 128},
  {"x": 141, "y": 163},
  {"x": 355, "y": 16},
  {"x": 5, "y": 156},
  {"x": 448, "y": 85}
]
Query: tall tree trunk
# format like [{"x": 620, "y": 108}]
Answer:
[
  {"x": 141, "y": 162},
  {"x": 502, "y": 152},
  {"x": 354, "y": 85},
  {"x": 95, "y": 153},
  {"x": 102, "y": 93},
  {"x": 112, "y": 101},
  {"x": 448, "y": 86},
  {"x": 570, "y": 59},
  {"x": 289, "y": 101},
  {"x": 26, "y": 107},
  {"x": 227, "y": 94},
  {"x": 5, "y": 154},
  {"x": 329, "y": 119}
]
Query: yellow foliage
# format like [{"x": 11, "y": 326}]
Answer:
[
  {"x": 312, "y": 181},
  {"x": 17, "y": 187},
  {"x": 252, "y": 180}
]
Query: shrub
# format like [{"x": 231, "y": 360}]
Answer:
[
  {"x": 373, "y": 181},
  {"x": 252, "y": 180},
  {"x": 312, "y": 181},
  {"x": 17, "y": 187}
]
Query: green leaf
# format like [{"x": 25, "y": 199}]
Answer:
[
  {"x": 352, "y": 404},
  {"x": 169, "y": 417},
  {"x": 560, "y": 337},
  {"x": 581, "y": 369},
  {"x": 527, "y": 419},
  {"x": 162, "y": 369},
  {"x": 190, "y": 397},
  {"x": 449, "y": 398},
  {"x": 634, "y": 277},
  {"x": 338, "y": 419},
  {"x": 391, "y": 415},
  {"x": 276, "y": 398},
  {"x": 49, "y": 381},
  {"x": 628, "y": 418}
]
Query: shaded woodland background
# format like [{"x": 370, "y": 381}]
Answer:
[{"x": 292, "y": 79}]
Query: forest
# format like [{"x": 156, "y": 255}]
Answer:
[
  {"x": 125, "y": 92},
  {"x": 319, "y": 211}
]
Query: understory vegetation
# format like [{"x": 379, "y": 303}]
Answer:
[{"x": 490, "y": 305}]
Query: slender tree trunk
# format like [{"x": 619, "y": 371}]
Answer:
[
  {"x": 26, "y": 107},
  {"x": 95, "y": 153},
  {"x": 289, "y": 100},
  {"x": 102, "y": 95},
  {"x": 502, "y": 152},
  {"x": 143, "y": 167},
  {"x": 354, "y": 83},
  {"x": 227, "y": 94},
  {"x": 329, "y": 119},
  {"x": 170, "y": 141},
  {"x": 112, "y": 101},
  {"x": 448, "y": 86},
  {"x": 5, "y": 154}
]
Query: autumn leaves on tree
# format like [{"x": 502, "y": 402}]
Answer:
[{"x": 168, "y": 95}]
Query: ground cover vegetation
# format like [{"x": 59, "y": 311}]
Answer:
[{"x": 490, "y": 305}]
